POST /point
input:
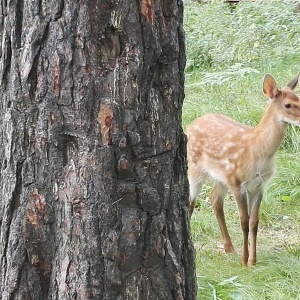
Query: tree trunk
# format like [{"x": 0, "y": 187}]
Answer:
[{"x": 94, "y": 190}]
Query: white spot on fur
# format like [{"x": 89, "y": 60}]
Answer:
[
  {"x": 227, "y": 164},
  {"x": 234, "y": 156}
]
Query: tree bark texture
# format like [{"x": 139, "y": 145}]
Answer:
[{"x": 94, "y": 190}]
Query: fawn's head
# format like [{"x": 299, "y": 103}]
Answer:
[{"x": 285, "y": 101}]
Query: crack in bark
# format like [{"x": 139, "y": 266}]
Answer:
[
  {"x": 19, "y": 22},
  {"x": 6, "y": 65},
  {"x": 15, "y": 201},
  {"x": 32, "y": 75},
  {"x": 155, "y": 155}
]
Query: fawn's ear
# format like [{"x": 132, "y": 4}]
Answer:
[
  {"x": 293, "y": 83},
  {"x": 270, "y": 86}
]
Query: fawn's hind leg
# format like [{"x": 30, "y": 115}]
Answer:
[{"x": 195, "y": 189}]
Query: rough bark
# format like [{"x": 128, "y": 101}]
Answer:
[{"x": 94, "y": 191}]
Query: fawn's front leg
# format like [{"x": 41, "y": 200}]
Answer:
[
  {"x": 241, "y": 201},
  {"x": 217, "y": 196},
  {"x": 254, "y": 204}
]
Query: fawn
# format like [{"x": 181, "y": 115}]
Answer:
[{"x": 240, "y": 158}]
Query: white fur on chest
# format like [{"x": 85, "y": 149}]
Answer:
[{"x": 263, "y": 171}]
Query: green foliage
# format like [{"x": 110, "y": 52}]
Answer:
[
  {"x": 218, "y": 36},
  {"x": 228, "y": 53}
]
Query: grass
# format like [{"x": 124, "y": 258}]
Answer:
[{"x": 228, "y": 53}]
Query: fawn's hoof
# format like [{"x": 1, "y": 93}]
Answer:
[
  {"x": 248, "y": 263},
  {"x": 229, "y": 248},
  {"x": 251, "y": 263}
]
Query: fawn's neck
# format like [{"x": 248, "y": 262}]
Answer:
[{"x": 269, "y": 133}]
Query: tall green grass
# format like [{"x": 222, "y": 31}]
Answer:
[{"x": 228, "y": 53}]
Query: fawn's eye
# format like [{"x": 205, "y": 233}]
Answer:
[{"x": 287, "y": 105}]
